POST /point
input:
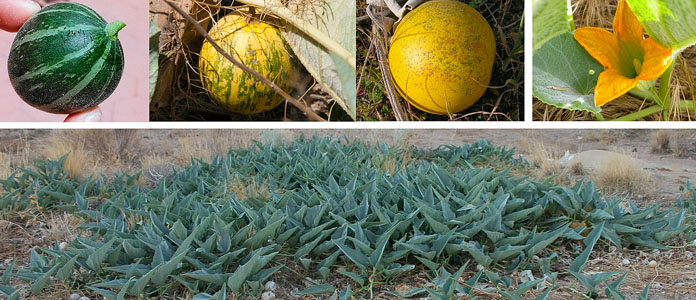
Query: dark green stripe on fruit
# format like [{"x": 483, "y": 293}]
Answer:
[{"x": 66, "y": 59}]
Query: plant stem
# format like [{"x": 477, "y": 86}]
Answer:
[
  {"x": 649, "y": 94},
  {"x": 664, "y": 91},
  {"x": 113, "y": 28},
  {"x": 640, "y": 114},
  {"x": 599, "y": 116},
  {"x": 686, "y": 105},
  {"x": 642, "y": 94}
]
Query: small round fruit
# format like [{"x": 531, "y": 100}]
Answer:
[
  {"x": 441, "y": 56},
  {"x": 255, "y": 44},
  {"x": 66, "y": 59}
]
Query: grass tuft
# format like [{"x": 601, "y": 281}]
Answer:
[{"x": 621, "y": 174}]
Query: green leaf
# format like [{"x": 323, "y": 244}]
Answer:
[
  {"x": 346, "y": 293},
  {"x": 644, "y": 294},
  {"x": 506, "y": 252},
  {"x": 377, "y": 254},
  {"x": 163, "y": 271},
  {"x": 66, "y": 271},
  {"x": 42, "y": 281},
  {"x": 541, "y": 241},
  {"x": 36, "y": 261},
  {"x": 669, "y": 22},
  {"x": 590, "y": 242},
  {"x": 478, "y": 254},
  {"x": 245, "y": 271},
  {"x": 8, "y": 272},
  {"x": 142, "y": 282},
  {"x": 81, "y": 202},
  {"x": 550, "y": 19},
  {"x": 122, "y": 293},
  {"x": 544, "y": 295},
  {"x": 564, "y": 74},
  {"x": 335, "y": 75},
  {"x": 207, "y": 276},
  {"x": 7, "y": 290},
  {"x": 95, "y": 260},
  {"x": 357, "y": 278},
  {"x": 353, "y": 254},
  {"x": 317, "y": 290},
  {"x": 106, "y": 293},
  {"x": 264, "y": 234}
]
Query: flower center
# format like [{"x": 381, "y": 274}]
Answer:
[
  {"x": 637, "y": 65},
  {"x": 631, "y": 55}
]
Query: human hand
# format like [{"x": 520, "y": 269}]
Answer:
[
  {"x": 13, "y": 13},
  {"x": 91, "y": 115}
]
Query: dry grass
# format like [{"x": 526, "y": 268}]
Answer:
[
  {"x": 245, "y": 188},
  {"x": 5, "y": 165},
  {"x": 621, "y": 174},
  {"x": 393, "y": 161},
  {"x": 660, "y": 141},
  {"x": 680, "y": 143},
  {"x": 14, "y": 155},
  {"x": 79, "y": 161},
  {"x": 545, "y": 159},
  {"x": 61, "y": 227}
]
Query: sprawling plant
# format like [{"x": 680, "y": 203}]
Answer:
[{"x": 219, "y": 227}]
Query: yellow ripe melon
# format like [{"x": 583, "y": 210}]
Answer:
[
  {"x": 441, "y": 56},
  {"x": 255, "y": 44}
]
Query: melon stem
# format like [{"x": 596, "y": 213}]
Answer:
[{"x": 113, "y": 28}]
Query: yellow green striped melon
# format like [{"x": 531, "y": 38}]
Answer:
[{"x": 255, "y": 44}]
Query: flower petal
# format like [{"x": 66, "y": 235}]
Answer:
[
  {"x": 626, "y": 25},
  {"x": 610, "y": 85},
  {"x": 601, "y": 44},
  {"x": 656, "y": 60}
]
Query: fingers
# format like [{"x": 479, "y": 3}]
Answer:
[
  {"x": 13, "y": 13},
  {"x": 92, "y": 115}
]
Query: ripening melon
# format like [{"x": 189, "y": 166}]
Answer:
[
  {"x": 255, "y": 44},
  {"x": 441, "y": 56}
]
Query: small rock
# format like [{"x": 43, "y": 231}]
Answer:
[
  {"x": 270, "y": 286},
  {"x": 479, "y": 267},
  {"x": 652, "y": 264},
  {"x": 267, "y": 295},
  {"x": 688, "y": 254},
  {"x": 625, "y": 261},
  {"x": 84, "y": 298},
  {"x": 62, "y": 246},
  {"x": 74, "y": 296}
]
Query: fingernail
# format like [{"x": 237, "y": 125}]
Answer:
[
  {"x": 93, "y": 116},
  {"x": 28, "y": 6}
]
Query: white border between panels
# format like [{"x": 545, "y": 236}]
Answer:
[{"x": 354, "y": 125}]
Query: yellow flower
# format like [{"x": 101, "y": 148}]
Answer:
[{"x": 627, "y": 56}]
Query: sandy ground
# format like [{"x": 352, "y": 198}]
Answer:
[
  {"x": 129, "y": 102},
  {"x": 673, "y": 279}
]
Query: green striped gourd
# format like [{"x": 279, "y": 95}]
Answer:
[
  {"x": 66, "y": 59},
  {"x": 255, "y": 44}
]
